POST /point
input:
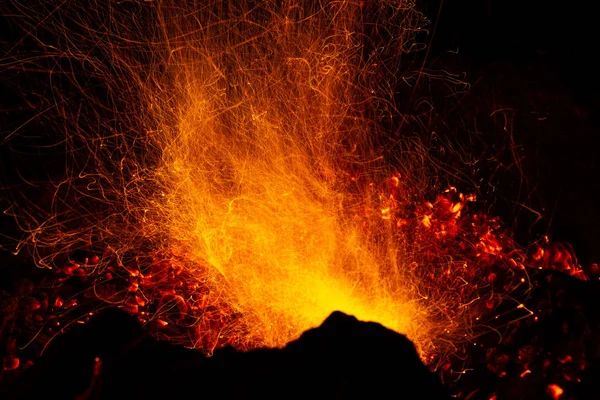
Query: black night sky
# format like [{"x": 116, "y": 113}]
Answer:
[{"x": 536, "y": 59}]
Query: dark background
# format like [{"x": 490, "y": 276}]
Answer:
[
  {"x": 534, "y": 86},
  {"x": 534, "y": 59}
]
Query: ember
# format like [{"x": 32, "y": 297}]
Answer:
[{"x": 555, "y": 391}]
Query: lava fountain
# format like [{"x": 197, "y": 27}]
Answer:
[
  {"x": 233, "y": 177},
  {"x": 255, "y": 192}
]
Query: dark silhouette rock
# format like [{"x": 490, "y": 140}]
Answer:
[{"x": 112, "y": 358}]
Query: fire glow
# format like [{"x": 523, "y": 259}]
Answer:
[
  {"x": 255, "y": 196},
  {"x": 247, "y": 190}
]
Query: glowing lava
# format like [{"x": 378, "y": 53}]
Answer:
[
  {"x": 233, "y": 172},
  {"x": 254, "y": 174}
]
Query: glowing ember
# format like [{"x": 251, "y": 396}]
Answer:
[
  {"x": 555, "y": 391},
  {"x": 245, "y": 191}
]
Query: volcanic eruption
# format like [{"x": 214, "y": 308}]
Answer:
[{"x": 231, "y": 173}]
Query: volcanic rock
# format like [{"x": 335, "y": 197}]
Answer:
[{"x": 112, "y": 358}]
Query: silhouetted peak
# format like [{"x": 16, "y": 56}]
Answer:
[{"x": 344, "y": 358}]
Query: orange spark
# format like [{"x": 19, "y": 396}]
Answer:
[{"x": 555, "y": 391}]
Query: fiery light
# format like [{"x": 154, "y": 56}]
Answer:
[
  {"x": 555, "y": 391},
  {"x": 231, "y": 171}
]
